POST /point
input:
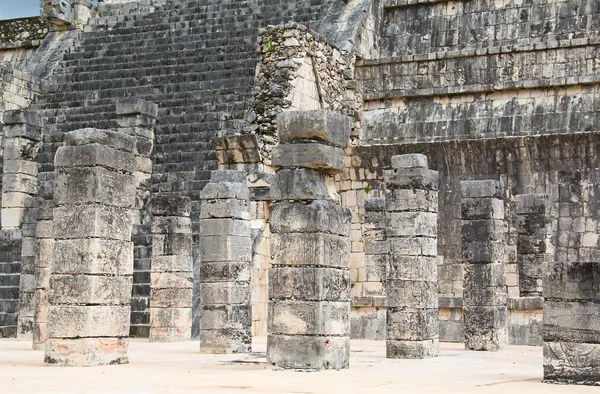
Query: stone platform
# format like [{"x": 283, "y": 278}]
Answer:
[{"x": 179, "y": 368}]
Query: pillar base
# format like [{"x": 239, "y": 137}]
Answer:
[
  {"x": 303, "y": 352},
  {"x": 86, "y": 352},
  {"x": 412, "y": 349}
]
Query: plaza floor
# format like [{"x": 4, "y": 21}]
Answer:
[{"x": 179, "y": 368}]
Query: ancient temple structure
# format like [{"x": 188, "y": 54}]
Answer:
[{"x": 446, "y": 151}]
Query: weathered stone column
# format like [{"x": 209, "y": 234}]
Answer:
[
  {"x": 137, "y": 117},
  {"x": 23, "y": 136},
  {"x": 411, "y": 285},
  {"x": 91, "y": 275},
  {"x": 226, "y": 256},
  {"x": 532, "y": 242},
  {"x": 368, "y": 320},
  {"x": 483, "y": 239},
  {"x": 44, "y": 250},
  {"x": 171, "y": 272},
  {"x": 309, "y": 282},
  {"x": 571, "y": 332}
]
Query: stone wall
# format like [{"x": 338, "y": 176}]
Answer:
[
  {"x": 17, "y": 88},
  {"x": 19, "y": 38},
  {"x": 525, "y": 164}
]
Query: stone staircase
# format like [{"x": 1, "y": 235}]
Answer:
[{"x": 195, "y": 59}]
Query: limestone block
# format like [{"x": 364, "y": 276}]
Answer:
[
  {"x": 572, "y": 363},
  {"x": 376, "y": 247},
  {"x": 131, "y": 105},
  {"x": 301, "y": 184},
  {"x": 308, "y": 352},
  {"x": 85, "y": 321},
  {"x": 482, "y": 208},
  {"x": 485, "y": 327},
  {"x": 227, "y": 293},
  {"x": 170, "y": 317},
  {"x": 171, "y": 225},
  {"x": 412, "y": 349},
  {"x": 15, "y": 199},
  {"x": 474, "y": 295},
  {"x": 485, "y": 275},
  {"x": 171, "y": 297},
  {"x": 225, "y": 226},
  {"x": 171, "y": 334},
  {"x": 88, "y": 289},
  {"x": 411, "y": 294},
  {"x": 225, "y": 341},
  {"x": 97, "y": 221},
  {"x": 93, "y": 256},
  {"x": 566, "y": 321},
  {"x": 26, "y": 167},
  {"x": 317, "y": 156},
  {"x": 108, "y": 138},
  {"x": 483, "y": 230},
  {"x": 412, "y": 324},
  {"x": 43, "y": 229},
  {"x": 309, "y": 317},
  {"x": 175, "y": 280},
  {"x": 327, "y": 126},
  {"x": 226, "y": 249},
  {"x": 18, "y": 116},
  {"x": 231, "y": 176},
  {"x": 310, "y": 249},
  {"x": 95, "y": 155},
  {"x": 225, "y": 208},
  {"x": 172, "y": 244},
  {"x": 412, "y": 224},
  {"x": 414, "y": 200},
  {"x": 216, "y": 317},
  {"x": 225, "y": 271},
  {"x": 413, "y": 178},
  {"x": 309, "y": 284},
  {"x": 484, "y": 252},
  {"x": 93, "y": 185},
  {"x": 175, "y": 263},
  {"x": 223, "y": 190},
  {"x": 412, "y": 268},
  {"x": 531, "y": 204},
  {"x": 20, "y": 148},
  {"x": 481, "y": 189},
  {"x": 19, "y": 183},
  {"x": 573, "y": 281},
  {"x": 316, "y": 216},
  {"x": 413, "y": 160},
  {"x": 422, "y": 246},
  {"x": 86, "y": 352}
]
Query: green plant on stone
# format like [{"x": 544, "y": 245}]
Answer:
[{"x": 269, "y": 46}]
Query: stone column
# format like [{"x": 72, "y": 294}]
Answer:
[
  {"x": 309, "y": 281},
  {"x": 225, "y": 258},
  {"x": 532, "y": 242},
  {"x": 483, "y": 244},
  {"x": 411, "y": 286},
  {"x": 368, "y": 321},
  {"x": 91, "y": 275},
  {"x": 137, "y": 118},
  {"x": 22, "y": 139},
  {"x": 171, "y": 272},
  {"x": 44, "y": 249},
  {"x": 571, "y": 332}
]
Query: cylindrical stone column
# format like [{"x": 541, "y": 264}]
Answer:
[
  {"x": 171, "y": 272},
  {"x": 226, "y": 256},
  {"x": 91, "y": 275},
  {"x": 22, "y": 139},
  {"x": 44, "y": 249},
  {"x": 532, "y": 242},
  {"x": 571, "y": 334},
  {"x": 309, "y": 281},
  {"x": 412, "y": 292},
  {"x": 483, "y": 243}
]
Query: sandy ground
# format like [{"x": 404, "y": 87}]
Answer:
[{"x": 180, "y": 368}]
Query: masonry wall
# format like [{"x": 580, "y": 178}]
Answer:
[{"x": 19, "y": 38}]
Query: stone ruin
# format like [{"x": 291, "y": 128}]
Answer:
[{"x": 314, "y": 171}]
